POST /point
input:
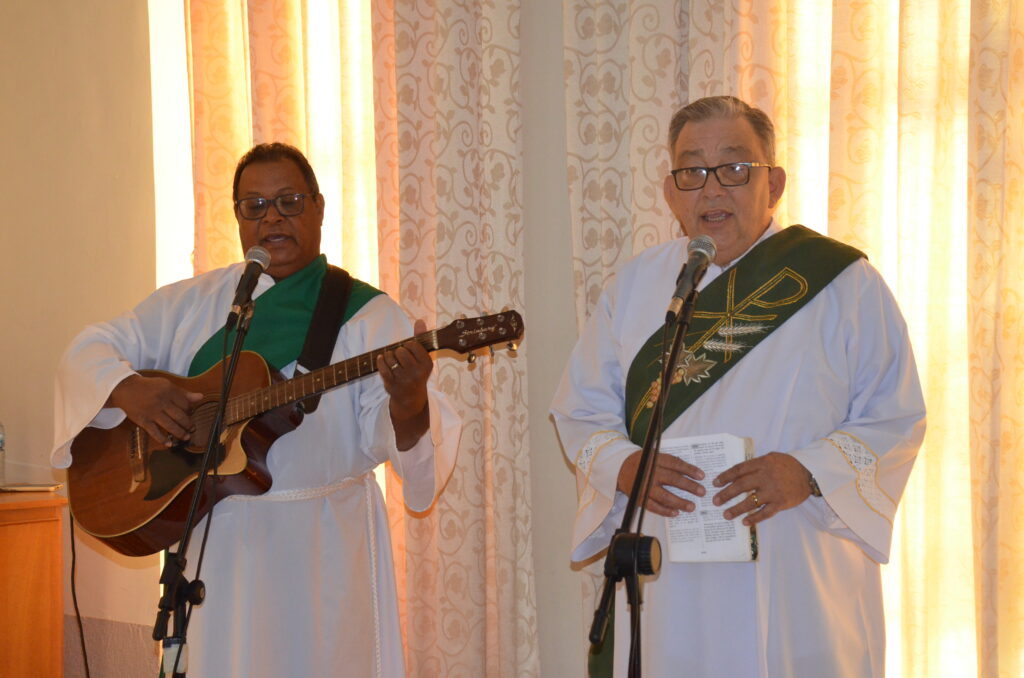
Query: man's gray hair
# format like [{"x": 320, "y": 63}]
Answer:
[{"x": 710, "y": 108}]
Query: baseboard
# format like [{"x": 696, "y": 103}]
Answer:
[{"x": 115, "y": 649}]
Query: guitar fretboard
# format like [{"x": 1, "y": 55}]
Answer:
[{"x": 254, "y": 403}]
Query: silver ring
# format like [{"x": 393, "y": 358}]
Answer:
[{"x": 394, "y": 367}]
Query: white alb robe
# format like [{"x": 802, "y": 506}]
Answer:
[
  {"x": 837, "y": 388},
  {"x": 300, "y": 580}
]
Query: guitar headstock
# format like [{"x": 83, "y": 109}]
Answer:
[{"x": 468, "y": 334}]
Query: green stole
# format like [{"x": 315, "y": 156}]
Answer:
[
  {"x": 281, "y": 318},
  {"x": 738, "y": 310},
  {"x": 735, "y": 312}
]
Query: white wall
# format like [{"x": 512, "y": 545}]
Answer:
[
  {"x": 550, "y": 320},
  {"x": 77, "y": 235},
  {"x": 77, "y": 227}
]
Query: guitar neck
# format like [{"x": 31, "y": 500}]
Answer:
[{"x": 252, "y": 404}]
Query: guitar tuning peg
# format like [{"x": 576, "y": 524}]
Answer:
[
  {"x": 513, "y": 346},
  {"x": 471, "y": 358}
]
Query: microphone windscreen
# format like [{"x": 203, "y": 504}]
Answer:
[
  {"x": 703, "y": 244},
  {"x": 259, "y": 255}
]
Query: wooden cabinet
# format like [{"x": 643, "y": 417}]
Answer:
[{"x": 31, "y": 591}]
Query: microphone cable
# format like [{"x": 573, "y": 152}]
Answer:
[{"x": 74, "y": 596}]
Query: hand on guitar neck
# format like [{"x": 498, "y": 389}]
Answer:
[
  {"x": 404, "y": 372},
  {"x": 160, "y": 407}
]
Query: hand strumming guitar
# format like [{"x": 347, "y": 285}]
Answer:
[
  {"x": 404, "y": 372},
  {"x": 160, "y": 407}
]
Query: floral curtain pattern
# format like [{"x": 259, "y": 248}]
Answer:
[
  {"x": 996, "y": 329},
  {"x": 449, "y": 152},
  {"x": 623, "y": 65}
]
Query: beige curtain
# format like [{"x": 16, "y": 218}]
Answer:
[
  {"x": 624, "y": 62},
  {"x": 995, "y": 310},
  {"x": 410, "y": 117},
  {"x": 450, "y": 213},
  {"x": 900, "y": 128},
  {"x": 273, "y": 71}
]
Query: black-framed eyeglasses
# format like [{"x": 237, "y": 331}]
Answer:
[
  {"x": 729, "y": 174},
  {"x": 288, "y": 205}
]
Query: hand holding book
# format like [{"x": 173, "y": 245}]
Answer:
[
  {"x": 669, "y": 472},
  {"x": 706, "y": 534},
  {"x": 767, "y": 484}
]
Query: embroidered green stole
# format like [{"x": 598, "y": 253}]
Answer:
[
  {"x": 281, "y": 319},
  {"x": 734, "y": 313}
]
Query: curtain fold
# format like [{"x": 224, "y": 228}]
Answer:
[
  {"x": 449, "y": 160},
  {"x": 217, "y": 43},
  {"x": 273, "y": 71},
  {"x": 900, "y": 129},
  {"x": 899, "y": 192},
  {"x": 624, "y": 63},
  {"x": 996, "y": 329}
]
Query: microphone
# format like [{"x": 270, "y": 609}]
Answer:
[
  {"x": 702, "y": 252},
  {"x": 257, "y": 260}
]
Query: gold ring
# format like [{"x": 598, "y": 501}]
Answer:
[{"x": 753, "y": 495}]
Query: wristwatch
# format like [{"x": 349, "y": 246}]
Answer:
[{"x": 815, "y": 490}]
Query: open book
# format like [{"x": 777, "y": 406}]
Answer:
[{"x": 705, "y": 535}]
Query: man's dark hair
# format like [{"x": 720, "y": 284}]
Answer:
[
  {"x": 272, "y": 153},
  {"x": 724, "y": 107}
]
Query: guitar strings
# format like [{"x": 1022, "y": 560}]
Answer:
[{"x": 204, "y": 417}]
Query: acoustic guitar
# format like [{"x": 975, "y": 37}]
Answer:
[{"x": 133, "y": 493}]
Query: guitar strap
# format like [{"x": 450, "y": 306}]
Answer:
[{"x": 328, "y": 317}]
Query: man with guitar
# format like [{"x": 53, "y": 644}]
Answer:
[{"x": 299, "y": 576}]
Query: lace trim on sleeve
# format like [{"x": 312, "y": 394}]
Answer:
[
  {"x": 865, "y": 462},
  {"x": 586, "y": 494},
  {"x": 595, "y": 444}
]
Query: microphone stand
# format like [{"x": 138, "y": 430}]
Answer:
[
  {"x": 178, "y": 590},
  {"x": 631, "y": 554}
]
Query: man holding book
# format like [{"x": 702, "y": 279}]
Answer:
[{"x": 796, "y": 346}]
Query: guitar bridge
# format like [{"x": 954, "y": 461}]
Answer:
[{"x": 136, "y": 450}]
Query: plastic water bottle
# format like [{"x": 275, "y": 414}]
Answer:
[{"x": 3, "y": 454}]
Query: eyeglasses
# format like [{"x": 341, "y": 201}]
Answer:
[
  {"x": 729, "y": 174},
  {"x": 288, "y": 205}
]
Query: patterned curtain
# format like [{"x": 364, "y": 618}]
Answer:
[
  {"x": 411, "y": 118},
  {"x": 451, "y": 243},
  {"x": 995, "y": 312},
  {"x": 624, "y": 64},
  {"x": 900, "y": 126}
]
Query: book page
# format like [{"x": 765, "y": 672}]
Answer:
[{"x": 705, "y": 534}]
